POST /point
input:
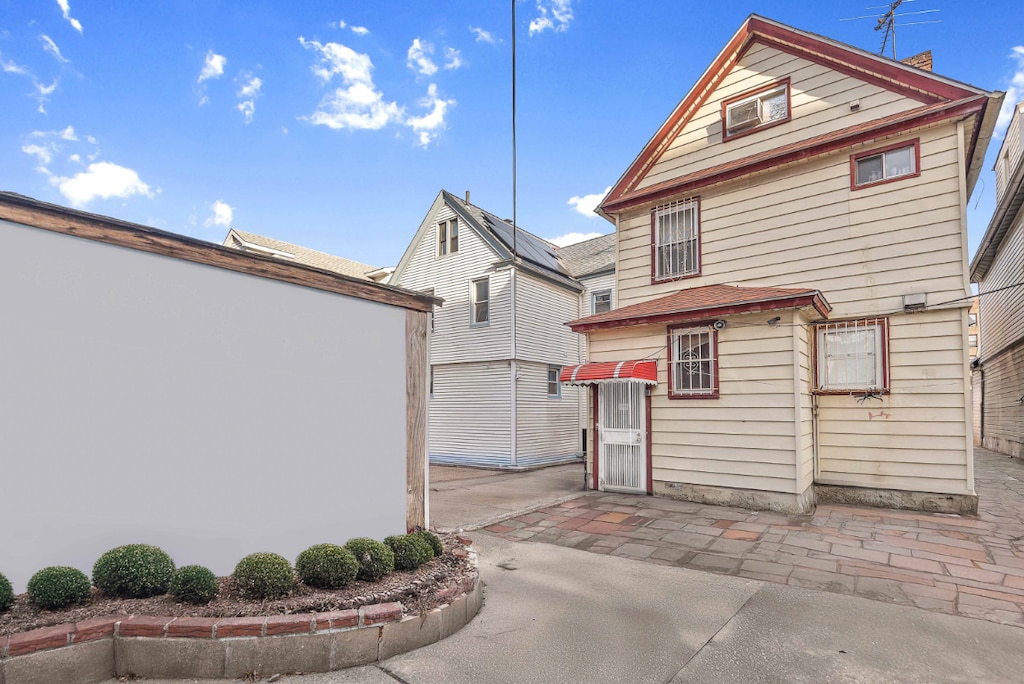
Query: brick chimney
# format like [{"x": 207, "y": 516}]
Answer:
[{"x": 921, "y": 60}]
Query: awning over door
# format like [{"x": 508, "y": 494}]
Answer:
[{"x": 644, "y": 370}]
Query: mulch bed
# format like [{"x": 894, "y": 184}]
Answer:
[{"x": 417, "y": 589}]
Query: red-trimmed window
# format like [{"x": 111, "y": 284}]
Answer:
[
  {"x": 852, "y": 356},
  {"x": 693, "y": 362},
  {"x": 874, "y": 167},
  {"x": 675, "y": 236},
  {"x": 759, "y": 108}
]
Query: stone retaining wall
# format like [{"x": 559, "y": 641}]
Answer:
[{"x": 96, "y": 650}]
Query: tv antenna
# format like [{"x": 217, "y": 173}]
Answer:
[{"x": 887, "y": 23}]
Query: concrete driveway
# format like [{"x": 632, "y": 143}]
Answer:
[
  {"x": 469, "y": 498},
  {"x": 554, "y": 614}
]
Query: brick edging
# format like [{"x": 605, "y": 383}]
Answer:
[{"x": 387, "y": 620}]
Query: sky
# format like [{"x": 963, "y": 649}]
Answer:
[{"x": 334, "y": 125}]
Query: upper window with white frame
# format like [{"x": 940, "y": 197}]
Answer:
[
  {"x": 601, "y": 301},
  {"x": 676, "y": 237},
  {"x": 884, "y": 165},
  {"x": 693, "y": 362},
  {"x": 554, "y": 386},
  {"x": 480, "y": 301},
  {"x": 851, "y": 356},
  {"x": 447, "y": 237},
  {"x": 765, "y": 106}
]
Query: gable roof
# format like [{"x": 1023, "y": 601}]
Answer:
[
  {"x": 926, "y": 87},
  {"x": 534, "y": 255},
  {"x": 590, "y": 257},
  {"x": 705, "y": 302},
  {"x": 251, "y": 242},
  {"x": 33, "y": 213},
  {"x": 1006, "y": 212}
]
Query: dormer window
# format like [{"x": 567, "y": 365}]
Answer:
[
  {"x": 447, "y": 237},
  {"x": 754, "y": 109}
]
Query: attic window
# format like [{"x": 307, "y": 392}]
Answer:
[
  {"x": 765, "y": 106},
  {"x": 447, "y": 237},
  {"x": 886, "y": 164}
]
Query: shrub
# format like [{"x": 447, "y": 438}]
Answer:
[
  {"x": 327, "y": 566},
  {"x": 410, "y": 551},
  {"x": 264, "y": 575},
  {"x": 194, "y": 584},
  {"x": 133, "y": 571},
  {"x": 6, "y": 594},
  {"x": 375, "y": 559},
  {"x": 431, "y": 538},
  {"x": 58, "y": 587}
]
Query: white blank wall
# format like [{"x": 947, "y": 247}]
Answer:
[{"x": 145, "y": 399}]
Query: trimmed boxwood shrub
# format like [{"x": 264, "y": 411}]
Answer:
[
  {"x": 327, "y": 566},
  {"x": 58, "y": 587},
  {"x": 432, "y": 539},
  {"x": 194, "y": 584},
  {"x": 264, "y": 575},
  {"x": 375, "y": 559},
  {"x": 6, "y": 594},
  {"x": 410, "y": 551},
  {"x": 133, "y": 571}
]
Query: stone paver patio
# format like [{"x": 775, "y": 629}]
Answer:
[{"x": 971, "y": 566}]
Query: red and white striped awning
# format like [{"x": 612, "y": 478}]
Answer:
[{"x": 644, "y": 370}]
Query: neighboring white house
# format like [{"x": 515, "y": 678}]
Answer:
[
  {"x": 159, "y": 389},
  {"x": 791, "y": 321},
  {"x": 499, "y": 341},
  {"x": 998, "y": 268}
]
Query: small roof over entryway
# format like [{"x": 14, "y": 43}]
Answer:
[
  {"x": 702, "y": 303},
  {"x": 643, "y": 370}
]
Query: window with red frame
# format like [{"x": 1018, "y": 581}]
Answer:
[
  {"x": 694, "y": 366},
  {"x": 885, "y": 165}
]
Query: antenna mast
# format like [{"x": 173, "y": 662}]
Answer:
[{"x": 887, "y": 22}]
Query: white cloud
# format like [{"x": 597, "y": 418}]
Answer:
[
  {"x": 101, "y": 180},
  {"x": 452, "y": 58},
  {"x": 66, "y": 11},
  {"x": 358, "y": 31},
  {"x": 358, "y": 104},
  {"x": 42, "y": 153},
  {"x": 213, "y": 66},
  {"x": 586, "y": 204},
  {"x": 43, "y": 93},
  {"x": 429, "y": 126},
  {"x": 483, "y": 36},
  {"x": 52, "y": 48},
  {"x": 418, "y": 57},
  {"x": 572, "y": 238},
  {"x": 69, "y": 134},
  {"x": 75, "y": 158},
  {"x": 222, "y": 215},
  {"x": 1014, "y": 92},
  {"x": 247, "y": 95},
  {"x": 10, "y": 67},
  {"x": 555, "y": 15}
]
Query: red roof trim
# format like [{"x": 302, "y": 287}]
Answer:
[
  {"x": 828, "y": 142},
  {"x": 703, "y": 313},
  {"x": 644, "y": 370},
  {"x": 909, "y": 82}
]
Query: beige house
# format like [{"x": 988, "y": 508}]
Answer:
[
  {"x": 997, "y": 268},
  {"x": 792, "y": 289},
  {"x": 286, "y": 251}
]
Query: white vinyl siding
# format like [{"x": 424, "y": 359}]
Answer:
[
  {"x": 915, "y": 436},
  {"x": 547, "y": 429},
  {"x": 453, "y": 340},
  {"x": 470, "y": 414},
  {"x": 1001, "y": 315},
  {"x": 746, "y": 437},
  {"x": 804, "y": 227},
  {"x": 542, "y": 311},
  {"x": 1010, "y": 152},
  {"x": 820, "y": 103}
]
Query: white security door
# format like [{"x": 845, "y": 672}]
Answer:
[{"x": 622, "y": 434}]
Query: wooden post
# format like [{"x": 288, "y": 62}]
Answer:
[{"x": 416, "y": 418}]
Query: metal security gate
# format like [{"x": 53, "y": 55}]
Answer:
[{"x": 622, "y": 432}]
